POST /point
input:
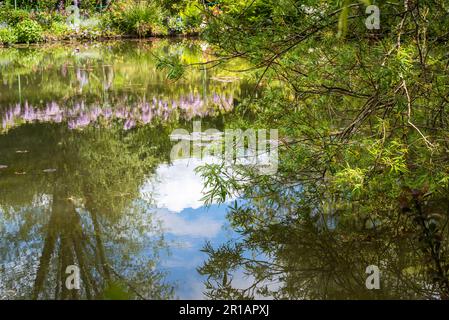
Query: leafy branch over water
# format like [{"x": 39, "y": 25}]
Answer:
[{"x": 364, "y": 156}]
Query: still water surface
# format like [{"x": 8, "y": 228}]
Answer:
[
  {"x": 85, "y": 171},
  {"x": 86, "y": 179}
]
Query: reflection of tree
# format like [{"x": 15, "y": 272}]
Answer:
[
  {"x": 64, "y": 227},
  {"x": 91, "y": 219},
  {"x": 113, "y": 69},
  {"x": 294, "y": 245}
]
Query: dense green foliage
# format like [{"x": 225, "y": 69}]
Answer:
[
  {"x": 364, "y": 156},
  {"x": 7, "y": 36},
  {"x": 142, "y": 19},
  {"x": 28, "y": 31},
  {"x": 98, "y": 19}
]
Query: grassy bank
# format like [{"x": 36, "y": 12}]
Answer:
[{"x": 54, "y": 20}]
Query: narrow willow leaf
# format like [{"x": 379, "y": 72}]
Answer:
[{"x": 343, "y": 20}]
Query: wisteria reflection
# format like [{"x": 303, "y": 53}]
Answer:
[{"x": 82, "y": 114}]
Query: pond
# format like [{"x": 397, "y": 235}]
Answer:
[
  {"x": 85, "y": 172},
  {"x": 89, "y": 186}
]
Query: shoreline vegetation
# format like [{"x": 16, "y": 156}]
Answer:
[{"x": 24, "y": 22}]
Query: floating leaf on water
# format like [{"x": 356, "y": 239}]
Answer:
[{"x": 49, "y": 170}]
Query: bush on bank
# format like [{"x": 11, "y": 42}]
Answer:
[
  {"x": 7, "y": 36},
  {"x": 54, "y": 20}
]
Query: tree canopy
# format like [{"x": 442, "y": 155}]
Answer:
[{"x": 363, "y": 173}]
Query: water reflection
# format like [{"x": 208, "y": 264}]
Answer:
[
  {"x": 109, "y": 81},
  {"x": 85, "y": 174},
  {"x": 84, "y": 212},
  {"x": 86, "y": 179},
  {"x": 81, "y": 114},
  {"x": 297, "y": 244}
]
